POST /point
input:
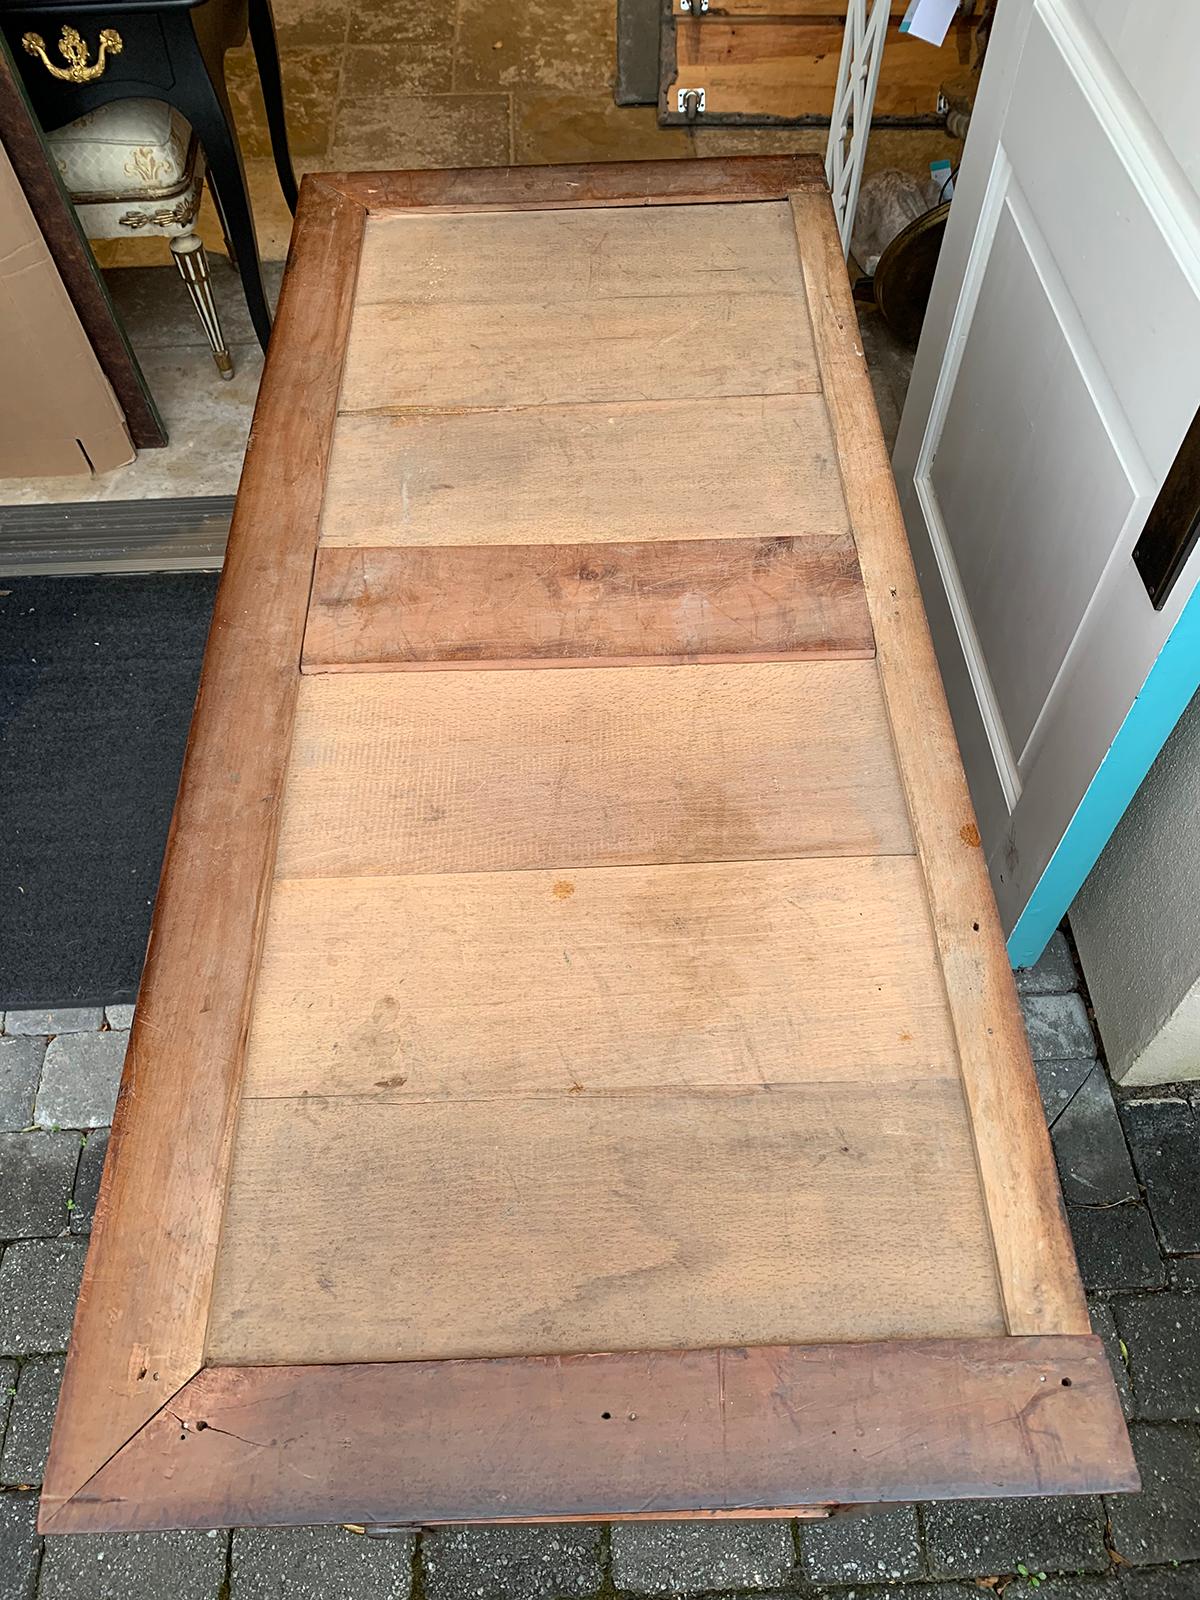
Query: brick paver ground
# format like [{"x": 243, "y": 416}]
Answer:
[{"x": 1131, "y": 1167}]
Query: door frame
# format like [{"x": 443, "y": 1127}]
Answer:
[{"x": 1163, "y": 698}]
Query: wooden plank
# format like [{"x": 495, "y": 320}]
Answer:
[
  {"x": 619, "y": 1435},
  {"x": 139, "y": 1327},
  {"x": 778, "y": 69},
  {"x": 619, "y": 1221},
  {"x": 566, "y": 474},
  {"x": 615, "y": 978},
  {"x": 494, "y": 771},
  {"x": 1040, "y": 1280},
  {"x": 720, "y": 180},
  {"x": 579, "y": 255},
  {"x": 525, "y": 354},
  {"x": 698, "y": 600}
]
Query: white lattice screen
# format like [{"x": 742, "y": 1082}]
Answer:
[{"x": 853, "y": 100}]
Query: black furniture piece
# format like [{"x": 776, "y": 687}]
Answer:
[{"x": 96, "y": 51}]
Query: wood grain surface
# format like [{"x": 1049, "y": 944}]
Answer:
[
  {"x": 567, "y": 474},
  {"x": 617, "y": 977},
  {"x": 631, "y": 1220},
  {"x": 785, "y": 67},
  {"x": 694, "y": 600},
  {"x": 618, "y": 1435},
  {"x": 491, "y": 771},
  {"x": 1038, "y": 1274},
  {"x": 526, "y": 352},
  {"x": 579, "y": 256},
  {"x": 139, "y": 1326}
]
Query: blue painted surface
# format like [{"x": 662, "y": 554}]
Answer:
[{"x": 1170, "y": 684}]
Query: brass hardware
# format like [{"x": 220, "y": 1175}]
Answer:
[
  {"x": 182, "y": 212},
  {"x": 75, "y": 52}
]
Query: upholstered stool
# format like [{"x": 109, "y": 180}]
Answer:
[{"x": 135, "y": 167}]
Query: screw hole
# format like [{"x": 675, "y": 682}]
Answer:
[
  {"x": 975, "y": 927},
  {"x": 606, "y": 1415},
  {"x": 200, "y": 1427},
  {"x": 1066, "y": 1383}
]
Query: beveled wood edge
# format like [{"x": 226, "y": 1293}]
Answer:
[
  {"x": 722, "y": 179},
  {"x": 1038, "y": 1276},
  {"x": 740, "y": 1431},
  {"x": 142, "y": 1314}
]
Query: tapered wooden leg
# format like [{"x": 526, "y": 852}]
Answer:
[{"x": 192, "y": 262}]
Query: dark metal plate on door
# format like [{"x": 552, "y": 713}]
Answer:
[{"x": 1173, "y": 525}]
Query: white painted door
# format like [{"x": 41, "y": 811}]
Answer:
[{"x": 1058, "y": 370}]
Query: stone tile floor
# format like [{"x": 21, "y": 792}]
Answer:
[
  {"x": 395, "y": 83},
  {"x": 451, "y": 83},
  {"x": 1130, "y": 1167}
]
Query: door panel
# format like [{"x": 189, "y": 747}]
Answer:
[
  {"x": 1112, "y": 232},
  {"x": 1046, "y": 443},
  {"x": 1155, "y": 42},
  {"x": 1055, "y": 379}
]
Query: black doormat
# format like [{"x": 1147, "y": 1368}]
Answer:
[{"x": 97, "y": 682}]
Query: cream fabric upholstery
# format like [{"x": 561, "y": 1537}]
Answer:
[{"x": 131, "y": 167}]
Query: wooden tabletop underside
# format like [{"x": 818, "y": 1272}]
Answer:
[{"x": 577, "y": 1072}]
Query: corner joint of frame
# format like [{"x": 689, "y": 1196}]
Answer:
[
  {"x": 57, "y": 1511},
  {"x": 341, "y": 186}
]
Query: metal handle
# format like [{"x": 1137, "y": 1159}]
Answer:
[
  {"x": 691, "y": 103},
  {"x": 75, "y": 52}
]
